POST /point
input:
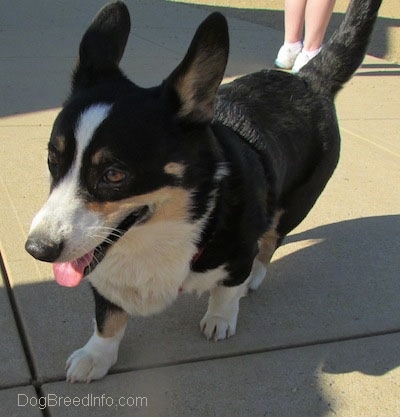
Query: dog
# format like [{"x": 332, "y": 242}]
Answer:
[{"x": 190, "y": 185}]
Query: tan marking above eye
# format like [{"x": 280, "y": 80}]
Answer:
[
  {"x": 175, "y": 168},
  {"x": 101, "y": 155}
]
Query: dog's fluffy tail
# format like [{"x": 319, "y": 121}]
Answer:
[{"x": 345, "y": 51}]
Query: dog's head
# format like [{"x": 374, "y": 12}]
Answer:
[{"x": 121, "y": 156}]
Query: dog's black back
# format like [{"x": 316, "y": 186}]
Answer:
[{"x": 291, "y": 120}]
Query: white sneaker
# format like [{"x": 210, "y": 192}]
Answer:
[
  {"x": 302, "y": 59},
  {"x": 287, "y": 56}
]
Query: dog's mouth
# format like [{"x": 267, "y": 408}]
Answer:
[{"x": 71, "y": 273}]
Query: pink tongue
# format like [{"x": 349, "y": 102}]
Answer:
[{"x": 70, "y": 274}]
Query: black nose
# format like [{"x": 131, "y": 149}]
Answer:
[{"x": 43, "y": 249}]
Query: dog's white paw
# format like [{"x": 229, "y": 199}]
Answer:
[
  {"x": 218, "y": 328},
  {"x": 84, "y": 366},
  {"x": 220, "y": 319},
  {"x": 95, "y": 358}
]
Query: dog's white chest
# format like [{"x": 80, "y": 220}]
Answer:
[{"x": 144, "y": 271}]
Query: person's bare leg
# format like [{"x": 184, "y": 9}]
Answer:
[
  {"x": 294, "y": 20},
  {"x": 294, "y": 25},
  {"x": 317, "y": 16}
]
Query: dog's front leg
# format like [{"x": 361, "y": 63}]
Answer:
[
  {"x": 220, "y": 319},
  {"x": 94, "y": 359}
]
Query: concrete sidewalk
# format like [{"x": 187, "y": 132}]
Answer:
[{"x": 322, "y": 335}]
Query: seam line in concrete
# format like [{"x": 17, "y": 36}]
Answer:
[
  {"x": 370, "y": 141},
  {"x": 18, "y": 321},
  {"x": 258, "y": 351},
  {"x": 177, "y": 53},
  {"x": 38, "y": 385}
]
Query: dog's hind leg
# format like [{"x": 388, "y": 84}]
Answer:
[
  {"x": 257, "y": 274},
  {"x": 220, "y": 319},
  {"x": 267, "y": 245},
  {"x": 94, "y": 359}
]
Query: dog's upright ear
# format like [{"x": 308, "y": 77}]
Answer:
[
  {"x": 102, "y": 46},
  {"x": 194, "y": 83}
]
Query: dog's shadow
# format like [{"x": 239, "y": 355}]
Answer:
[{"x": 359, "y": 266}]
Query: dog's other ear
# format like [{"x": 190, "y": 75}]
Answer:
[
  {"x": 102, "y": 45},
  {"x": 196, "y": 80}
]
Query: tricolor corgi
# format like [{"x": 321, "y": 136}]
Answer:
[{"x": 187, "y": 186}]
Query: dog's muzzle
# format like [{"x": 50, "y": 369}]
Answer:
[{"x": 70, "y": 273}]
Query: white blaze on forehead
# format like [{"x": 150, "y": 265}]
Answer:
[
  {"x": 64, "y": 216},
  {"x": 87, "y": 124}
]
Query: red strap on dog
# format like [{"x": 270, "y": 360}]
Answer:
[
  {"x": 193, "y": 261},
  {"x": 197, "y": 256}
]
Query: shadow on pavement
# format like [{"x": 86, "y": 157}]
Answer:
[{"x": 379, "y": 70}]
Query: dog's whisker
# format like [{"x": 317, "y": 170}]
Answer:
[
  {"x": 106, "y": 239},
  {"x": 108, "y": 231}
]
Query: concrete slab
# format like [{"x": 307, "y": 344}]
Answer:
[
  {"x": 349, "y": 379},
  {"x": 372, "y": 93},
  {"x": 14, "y": 369},
  {"x": 20, "y": 402},
  {"x": 368, "y": 105},
  {"x": 384, "y": 135}
]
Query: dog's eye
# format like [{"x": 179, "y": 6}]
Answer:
[{"x": 114, "y": 176}]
